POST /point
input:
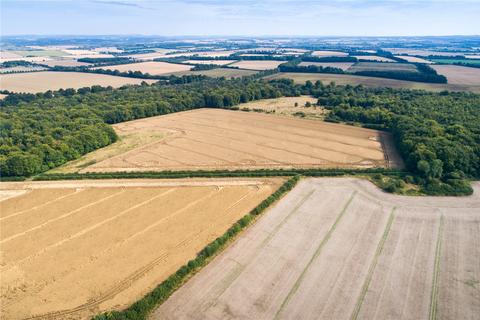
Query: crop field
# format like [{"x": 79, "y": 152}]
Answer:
[
  {"x": 151, "y": 67},
  {"x": 65, "y": 63},
  {"x": 257, "y": 64},
  {"x": 222, "y": 139},
  {"x": 21, "y": 69},
  {"x": 72, "y": 249},
  {"x": 48, "y": 80},
  {"x": 285, "y": 106},
  {"x": 325, "y": 53},
  {"x": 219, "y": 72},
  {"x": 374, "y": 58},
  {"x": 452, "y": 61},
  {"x": 414, "y": 59},
  {"x": 339, "y": 248},
  {"x": 217, "y": 62},
  {"x": 372, "y": 82},
  {"x": 382, "y": 66},
  {"x": 341, "y": 65},
  {"x": 459, "y": 74}
]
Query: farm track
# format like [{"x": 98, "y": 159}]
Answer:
[{"x": 381, "y": 257}]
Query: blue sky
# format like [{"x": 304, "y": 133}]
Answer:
[{"x": 241, "y": 17}]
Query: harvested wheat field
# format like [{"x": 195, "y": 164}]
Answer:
[
  {"x": 216, "y": 62},
  {"x": 75, "y": 248},
  {"x": 325, "y": 53},
  {"x": 285, "y": 106},
  {"x": 223, "y": 139},
  {"x": 374, "y": 58},
  {"x": 414, "y": 59},
  {"x": 339, "y": 248},
  {"x": 341, "y": 65},
  {"x": 257, "y": 64},
  {"x": 151, "y": 67},
  {"x": 48, "y": 80},
  {"x": 459, "y": 74}
]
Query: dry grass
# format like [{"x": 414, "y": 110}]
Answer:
[
  {"x": 72, "y": 249},
  {"x": 341, "y": 65},
  {"x": 459, "y": 74},
  {"x": 257, "y": 64},
  {"x": 382, "y": 66},
  {"x": 372, "y": 82},
  {"x": 151, "y": 67},
  {"x": 414, "y": 59},
  {"x": 339, "y": 248},
  {"x": 285, "y": 106},
  {"x": 325, "y": 53},
  {"x": 65, "y": 63},
  {"x": 219, "y": 72},
  {"x": 46, "y": 80},
  {"x": 374, "y": 58},
  {"x": 220, "y": 139},
  {"x": 217, "y": 62}
]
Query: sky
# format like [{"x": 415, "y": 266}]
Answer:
[{"x": 241, "y": 17}]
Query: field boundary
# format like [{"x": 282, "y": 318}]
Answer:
[
  {"x": 436, "y": 271},
  {"x": 141, "y": 308}
]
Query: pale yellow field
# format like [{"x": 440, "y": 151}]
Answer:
[
  {"x": 212, "y": 139},
  {"x": 325, "y": 53},
  {"x": 414, "y": 59},
  {"x": 459, "y": 74},
  {"x": 285, "y": 106},
  {"x": 257, "y": 64},
  {"x": 72, "y": 249},
  {"x": 374, "y": 58},
  {"x": 47, "y": 80},
  {"x": 342, "y": 65},
  {"x": 151, "y": 67},
  {"x": 217, "y": 62},
  {"x": 65, "y": 63}
]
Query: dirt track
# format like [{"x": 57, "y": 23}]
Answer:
[
  {"x": 222, "y": 139},
  {"x": 338, "y": 248},
  {"x": 72, "y": 249}
]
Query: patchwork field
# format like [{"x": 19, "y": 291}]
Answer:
[
  {"x": 151, "y": 67},
  {"x": 341, "y": 65},
  {"x": 217, "y": 62},
  {"x": 338, "y": 248},
  {"x": 372, "y": 82},
  {"x": 72, "y": 249},
  {"x": 459, "y": 75},
  {"x": 48, "y": 80},
  {"x": 222, "y": 139},
  {"x": 65, "y": 63},
  {"x": 257, "y": 64},
  {"x": 219, "y": 72},
  {"x": 325, "y": 53},
  {"x": 382, "y": 66}
]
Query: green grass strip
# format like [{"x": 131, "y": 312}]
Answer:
[
  {"x": 140, "y": 309},
  {"x": 436, "y": 271},
  {"x": 317, "y": 252},
  {"x": 373, "y": 264}
]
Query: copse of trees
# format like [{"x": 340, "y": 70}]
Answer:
[
  {"x": 106, "y": 61},
  {"x": 295, "y": 67},
  {"x": 437, "y": 134}
]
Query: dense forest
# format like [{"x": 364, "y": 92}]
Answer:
[
  {"x": 39, "y": 132},
  {"x": 425, "y": 74}
]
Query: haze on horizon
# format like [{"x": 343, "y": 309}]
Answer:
[{"x": 241, "y": 17}]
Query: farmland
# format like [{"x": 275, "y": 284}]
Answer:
[
  {"x": 453, "y": 61},
  {"x": 372, "y": 82},
  {"x": 65, "y": 63},
  {"x": 217, "y": 62},
  {"x": 338, "y": 248},
  {"x": 72, "y": 249},
  {"x": 257, "y": 65},
  {"x": 341, "y": 65},
  {"x": 151, "y": 67},
  {"x": 459, "y": 74},
  {"x": 324, "y": 53},
  {"x": 374, "y": 58},
  {"x": 414, "y": 59},
  {"x": 48, "y": 80},
  {"x": 219, "y": 72},
  {"x": 243, "y": 140},
  {"x": 375, "y": 66}
]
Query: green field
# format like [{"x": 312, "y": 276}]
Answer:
[
  {"x": 382, "y": 66},
  {"x": 453, "y": 61}
]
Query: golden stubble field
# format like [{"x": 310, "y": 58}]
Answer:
[
  {"x": 257, "y": 64},
  {"x": 339, "y": 248},
  {"x": 222, "y": 139},
  {"x": 48, "y": 80},
  {"x": 459, "y": 74},
  {"x": 151, "y": 67},
  {"x": 71, "y": 249}
]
